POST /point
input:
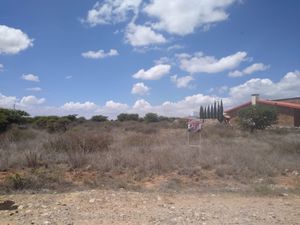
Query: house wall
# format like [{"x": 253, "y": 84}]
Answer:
[
  {"x": 285, "y": 120},
  {"x": 286, "y": 116},
  {"x": 297, "y": 118}
]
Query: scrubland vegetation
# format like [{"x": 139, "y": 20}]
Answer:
[{"x": 59, "y": 153}]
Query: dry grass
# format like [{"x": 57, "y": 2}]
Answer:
[{"x": 144, "y": 150}]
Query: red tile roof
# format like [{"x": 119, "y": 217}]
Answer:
[
  {"x": 238, "y": 107},
  {"x": 266, "y": 102},
  {"x": 281, "y": 104}
]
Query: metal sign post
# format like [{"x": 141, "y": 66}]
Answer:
[{"x": 194, "y": 126}]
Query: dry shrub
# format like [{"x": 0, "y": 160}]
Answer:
[
  {"x": 32, "y": 159},
  {"x": 15, "y": 154},
  {"x": 174, "y": 184},
  {"x": 77, "y": 159},
  {"x": 140, "y": 140},
  {"x": 215, "y": 131},
  {"x": 139, "y": 127},
  {"x": 124, "y": 147},
  {"x": 79, "y": 148},
  {"x": 86, "y": 142},
  {"x": 16, "y": 134},
  {"x": 37, "y": 179}
]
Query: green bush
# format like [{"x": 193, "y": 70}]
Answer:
[
  {"x": 151, "y": 117},
  {"x": 17, "y": 181},
  {"x": 71, "y": 117},
  {"x": 165, "y": 118},
  {"x": 52, "y": 123},
  {"x": 128, "y": 117},
  {"x": 8, "y": 117},
  {"x": 257, "y": 117},
  {"x": 3, "y": 122},
  {"x": 81, "y": 119},
  {"x": 99, "y": 118}
]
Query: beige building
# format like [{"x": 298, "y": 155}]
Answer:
[{"x": 288, "y": 109}]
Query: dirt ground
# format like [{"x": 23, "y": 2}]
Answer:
[{"x": 127, "y": 207}]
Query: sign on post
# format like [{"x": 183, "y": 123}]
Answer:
[{"x": 194, "y": 126}]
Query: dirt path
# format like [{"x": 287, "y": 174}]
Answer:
[{"x": 123, "y": 207}]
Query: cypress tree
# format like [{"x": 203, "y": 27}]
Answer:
[
  {"x": 208, "y": 112},
  {"x": 204, "y": 113},
  {"x": 221, "y": 112},
  {"x": 218, "y": 111},
  {"x": 201, "y": 116},
  {"x": 215, "y": 110}
]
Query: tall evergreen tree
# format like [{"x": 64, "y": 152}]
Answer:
[
  {"x": 201, "y": 116},
  {"x": 218, "y": 110},
  {"x": 215, "y": 110},
  {"x": 204, "y": 113},
  {"x": 208, "y": 112},
  {"x": 221, "y": 118}
]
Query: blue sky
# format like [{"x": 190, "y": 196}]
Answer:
[{"x": 106, "y": 57}]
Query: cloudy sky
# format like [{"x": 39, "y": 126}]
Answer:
[{"x": 106, "y": 57}]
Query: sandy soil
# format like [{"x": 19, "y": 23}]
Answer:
[{"x": 124, "y": 207}]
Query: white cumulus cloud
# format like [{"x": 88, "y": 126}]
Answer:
[
  {"x": 288, "y": 86},
  {"x": 115, "y": 105},
  {"x": 71, "y": 106},
  {"x": 249, "y": 70},
  {"x": 182, "y": 17},
  {"x": 30, "y": 77},
  {"x": 31, "y": 100},
  {"x": 182, "y": 82},
  {"x": 142, "y": 105},
  {"x": 12, "y": 40},
  {"x": 199, "y": 63},
  {"x": 111, "y": 11},
  {"x": 7, "y": 101},
  {"x": 140, "y": 89},
  {"x": 100, "y": 54},
  {"x": 139, "y": 35},
  {"x": 154, "y": 73}
]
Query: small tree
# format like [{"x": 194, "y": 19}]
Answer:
[
  {"x": 211, "y": 112},
  {"x": 220, "y": 112},
  {"x": 52, "y": 123},
  {"x": 126, "y": 117},
  {"x": 81, "y": 119},
  {"x": 151, "y": 117},
  {"x": 208, "y": 112},
  {"x": 3, "y": 122},
  {"x": 164, "y": 118},
  {"x": 99, "y": 118},
  {"x": 215, "y": 110},
  {"x": 201, "y": 116},
  {"x": 257, "y": 117},
  {"x": 9, "y": 116},
  {"x": 71, "y": 117}
]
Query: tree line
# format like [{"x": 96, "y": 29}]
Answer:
[
  {"x": 8, "y": 117},
  {"x": 213, "y": 111}
]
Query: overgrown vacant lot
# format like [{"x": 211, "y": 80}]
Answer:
[{"x": 150, "y": 156}]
